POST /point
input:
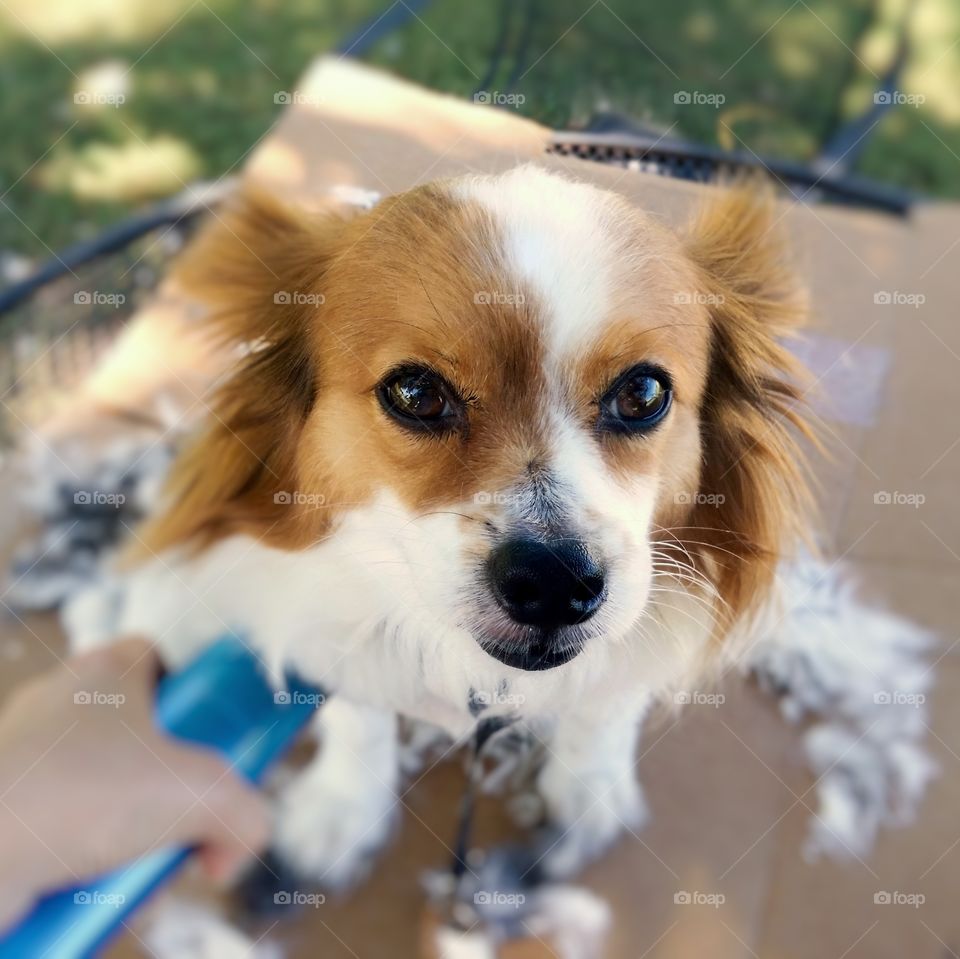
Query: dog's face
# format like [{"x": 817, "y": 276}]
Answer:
[{"x": 553, "y": 408}]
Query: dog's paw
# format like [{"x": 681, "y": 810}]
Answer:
[
  {"x": 586, "y": 815},
  {"x": 330, "y": 826}
]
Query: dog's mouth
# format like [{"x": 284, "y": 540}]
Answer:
[{"x": 534, "y": 653}]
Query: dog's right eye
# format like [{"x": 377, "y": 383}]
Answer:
[{"x": 419, "y": 398}]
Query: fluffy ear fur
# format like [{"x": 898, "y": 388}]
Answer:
[
  {"x": 255, "y": 265},
  {"x": 752, "y": 409}
]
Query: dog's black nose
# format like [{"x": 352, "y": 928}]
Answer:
[{"x": 548, "y": 585}]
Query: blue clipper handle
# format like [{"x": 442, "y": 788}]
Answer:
[{"x": 221, "y": 700}]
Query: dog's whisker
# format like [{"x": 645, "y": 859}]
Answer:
[
  {"x": 709, "y": 601},
  {"x": 664, "y": 566},
  {"x": 712, "y": 547},
  {"x": 663, "y": 562}
]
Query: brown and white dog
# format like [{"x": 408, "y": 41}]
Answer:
[{"x": 502, "y": 444}]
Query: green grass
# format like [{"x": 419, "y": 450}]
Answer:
[{"x": 203, "y": 78}]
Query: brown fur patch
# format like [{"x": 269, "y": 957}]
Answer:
[{"x": 752, "y": 499}]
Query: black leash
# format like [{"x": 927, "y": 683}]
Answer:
[{"x": 486, "y": 730}]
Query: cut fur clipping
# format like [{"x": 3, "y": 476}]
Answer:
[
  {"x": 859, "y": 677},
  {"x": 556, "y": 920},
  {"x": 83, "y": 499},
  {"x": 176, "y": 927}
]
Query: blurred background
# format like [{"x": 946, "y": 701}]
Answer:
[{"x": 108, "y": 104}]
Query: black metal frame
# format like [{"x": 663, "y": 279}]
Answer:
[{"x": 703, "y": 164}]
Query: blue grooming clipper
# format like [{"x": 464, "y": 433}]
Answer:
[{"x": 221, "y": 700}]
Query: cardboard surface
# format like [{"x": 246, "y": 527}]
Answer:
[{"x": 727, "y": 787}]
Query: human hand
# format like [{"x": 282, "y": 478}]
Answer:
[{"x": 88, "y": 782}]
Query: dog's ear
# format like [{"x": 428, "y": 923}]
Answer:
[
  {"x": 259, "y": 266},
  {"x": 752, "y": 412}
]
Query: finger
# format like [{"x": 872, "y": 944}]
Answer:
[
  {"x": 225, "y": 811},
  {"x": 222, "y": 864}
]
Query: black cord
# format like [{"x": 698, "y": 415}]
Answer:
[
  {"x": 845, "y": 145},
  {"x": 523, "y": 47},
  {"x": 499, "y": 48},
  {"x": 376, "y": 28},
  {"x": 114, "y": 238},
  {"x": 486, "y": 730}
]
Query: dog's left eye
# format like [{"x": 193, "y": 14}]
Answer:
[
  {"x": 638, "y": 400},
  {"x": 418, "y": 398}
]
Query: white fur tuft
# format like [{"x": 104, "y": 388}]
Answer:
[
  {"x": 860, "y": 677},
  {"x": 181, "y": 930}
]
